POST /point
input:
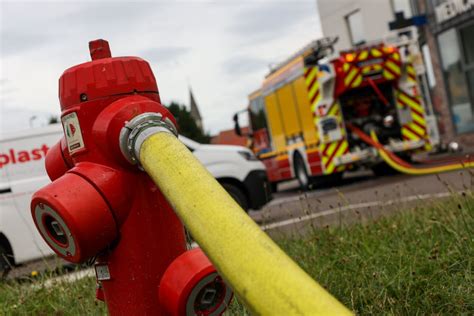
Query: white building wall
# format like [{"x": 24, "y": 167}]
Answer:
[{"x": 375, "y": 16}]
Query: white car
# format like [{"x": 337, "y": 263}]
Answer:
[{"x": 22, "y": 173}]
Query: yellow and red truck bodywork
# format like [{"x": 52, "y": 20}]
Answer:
[{"x": 298, "y": 102}]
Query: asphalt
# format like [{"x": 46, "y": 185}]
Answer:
[{"x": 359, "y": 197}]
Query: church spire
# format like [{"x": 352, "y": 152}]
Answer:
[{"x": 195, "y": 110}]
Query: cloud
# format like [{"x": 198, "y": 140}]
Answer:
[
  {"x": 165, "y": 54},
  {"x": 243, "y": 65},
  {"x": 105, "y": 17},
  {"x": 221, "y": 48},
  {"x": 17, "y": 42},
  {"x": 23, "y": 29},
  {"x": 264, "y": 21}
]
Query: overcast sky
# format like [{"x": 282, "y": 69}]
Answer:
[{"x": 222, "y": 49}]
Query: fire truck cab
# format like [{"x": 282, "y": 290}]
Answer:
[{"x": 301, "y": 117}]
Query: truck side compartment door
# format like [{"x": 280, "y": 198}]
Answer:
[
  {"x": 275, "y": 121},
  {"x": 288, "y": 108},
  {"x": 304, "y": 109}
]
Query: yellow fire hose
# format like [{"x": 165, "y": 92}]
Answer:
[
  {"x": 260, "y": 273},
  {"x": 396, "y": 163},
  {"x": 402, "y": 166}
]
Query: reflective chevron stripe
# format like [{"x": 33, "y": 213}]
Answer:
[
  {"x": 353, "y": 75},
  {"x": 331, "y": 151},
  {"x": 312, "y": 86},
  {"x": 334, "y": 110},
  {"x": 363, "y": 55},
  {"x": 392, "y": 66},
  {"x": 375, "y": 52},
  {"x": 411, "y": 73},
  {"x": 310, "y": 75},
  {"x": 411, "y": 102},
  {"x": 417, "y": 128}
]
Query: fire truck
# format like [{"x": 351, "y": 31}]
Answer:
[{"x": 302, "y": 117}]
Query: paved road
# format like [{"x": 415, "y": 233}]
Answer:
[{"x": 361, "y": 196}]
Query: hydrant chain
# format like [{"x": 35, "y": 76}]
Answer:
[{"x": 134, "y": 133}]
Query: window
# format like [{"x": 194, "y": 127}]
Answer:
[
  {"x": 356, "y": 27},
  {"x": 467, "y": 38},
  {"x": 456, "y": 81},
  {"x": 257, "y": 114},
  {"x": 429, "y": 65},
  {"x": 402, "y": 6}
]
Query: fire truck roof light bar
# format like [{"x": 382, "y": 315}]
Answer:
[{"x": 320, "y": 45}]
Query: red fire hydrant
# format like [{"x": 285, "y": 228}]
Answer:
[{"x": 101, "y": 206}]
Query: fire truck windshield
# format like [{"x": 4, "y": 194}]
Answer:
[{"x": 257, "y": 114}]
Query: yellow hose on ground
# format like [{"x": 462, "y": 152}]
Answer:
[
  {"x": 414, "y": 170},
  {"x": 260, "y": 273}
]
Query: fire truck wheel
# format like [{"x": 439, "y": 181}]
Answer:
[
  {"x": 327, "y": 181},
  {"x": 383, "y": 169},
  {"x": 237, "y": 194},
  {"x": 301, "y": 173}
]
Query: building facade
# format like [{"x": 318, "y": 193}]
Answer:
[
  {"x": 446, "y": 41},
  {"x": 229, "y": 137},
  {"x": 355, "y": 21},
  {"x": 449, "y": 38}
]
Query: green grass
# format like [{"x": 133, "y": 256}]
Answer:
[
  {"x": 33, "y": 298},
  {"x": 419, "y": 261}
]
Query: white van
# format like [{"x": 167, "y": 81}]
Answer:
[{"x": 22, "y": 173}]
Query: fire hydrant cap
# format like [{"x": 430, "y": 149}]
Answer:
[{"x": 105, "y": 76}]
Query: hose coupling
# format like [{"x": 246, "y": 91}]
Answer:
[{"x": 136, "y": 131}]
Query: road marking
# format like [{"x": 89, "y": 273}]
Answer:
[{"x": 351, "y": 207}]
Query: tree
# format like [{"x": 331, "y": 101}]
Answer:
[
  {"x": 186, "y": 124},
  {"x": 53, "y": 119}
]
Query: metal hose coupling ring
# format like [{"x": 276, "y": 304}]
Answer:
[{"x": 136, "y": 131}]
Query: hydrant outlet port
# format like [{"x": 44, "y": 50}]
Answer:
[
  {"x": 80, "y": 230},
  {"x": 55, "y": 230},
  {"x": 191, "y": 286}
]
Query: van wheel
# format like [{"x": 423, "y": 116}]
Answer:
[
  {"x": 274, "y": 187},
  {"x": 301, "y": 173},
  {"x": 5, "y": 262},
  {"x": 237, "y": 194}
]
